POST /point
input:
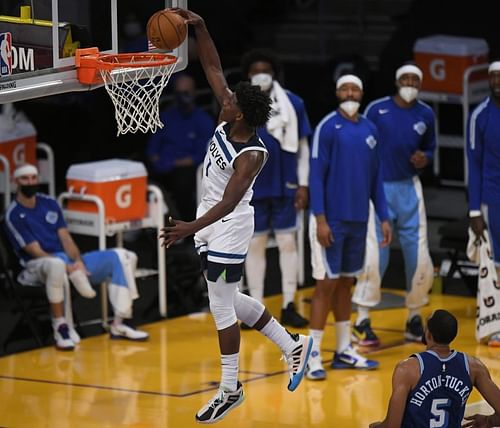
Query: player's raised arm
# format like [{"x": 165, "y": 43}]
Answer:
[{"x": 208, "y": 54}]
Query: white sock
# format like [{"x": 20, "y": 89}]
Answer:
[
  {"x": 276, "y": 333},
  {"x": 255, "y": 266},
  {"x": 56, "y": 322},
  {"x": 229, "y": 364},
  {"x": 118, "y": 320},
  {"x": 288, "y": 265},
  {"x": 343, "y": 329},
  {"x": 317, "y": 336},
  {"x": 413, "y": 312},
  {"x": 363, "y": 314}
]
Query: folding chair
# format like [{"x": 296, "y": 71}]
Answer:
[{"x": 29, "y": 304}]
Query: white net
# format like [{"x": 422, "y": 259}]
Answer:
[{"x": 135, "y": 92}]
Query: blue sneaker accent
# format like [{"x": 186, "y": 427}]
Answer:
[
  {"x": 350, "y": 359},
  {"x": 297, "y": 361}
]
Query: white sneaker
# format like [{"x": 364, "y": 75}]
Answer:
[
  {"x": 63, "y": 339},
  {"x": 74, "y": 336},
  {"x": 350, "y": 359},
  {"x": 297, "y": 359},
  {"x": 315, "y": 369},
  {"x": 82, "y": 284},
  {"x": 123, "y": 331},
  {"x": 220, "y": 405}
]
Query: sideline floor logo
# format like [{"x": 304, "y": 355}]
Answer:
[{"x": 5, "y": 54}]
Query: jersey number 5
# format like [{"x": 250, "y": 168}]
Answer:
[{"x": 440, "y": 413}]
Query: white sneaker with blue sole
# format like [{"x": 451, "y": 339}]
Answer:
[
  {"x": 297, "y": 359},
  {"x": 350, "y": 359}
]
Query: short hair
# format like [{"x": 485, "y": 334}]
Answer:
[
  {"x": 259, "y": 55},
  {"x": 253, "y": 103},
  {"x": 443, "y": 326}
]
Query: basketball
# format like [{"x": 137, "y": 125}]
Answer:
[{"x": 166, "y": 30}]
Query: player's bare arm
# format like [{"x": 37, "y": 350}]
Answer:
[
  {"x": 35, "y": 250},
  {"x": 208, "y": 55},
  {"x": 481, "y": 379},
  {"x": 324, "y": 232},
  {"x": 246, "y": 167},
  {"x": 405, "y": 377}
]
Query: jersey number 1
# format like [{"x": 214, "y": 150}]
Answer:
[{"x": 439, "y": 413}]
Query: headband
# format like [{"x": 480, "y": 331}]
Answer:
[
  {"x": 494, "y": 66},
  {"x": 27, "y": 169},
  {"x": 409, "y": 69},
  {"x": 349, "y": 78}
]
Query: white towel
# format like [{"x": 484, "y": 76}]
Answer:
[
  {"x": 488, "y": 290},
  {"x": 283, "y": 122}
]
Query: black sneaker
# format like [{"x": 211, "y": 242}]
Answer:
[
  {"x": 220, "y": 405},
  {"x": 292, "y": 318},
  {"x": 364, "y": 335},
  {"x": 414, "y": 329}
]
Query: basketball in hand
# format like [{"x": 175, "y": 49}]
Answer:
[{"x": 166, "y": 30}]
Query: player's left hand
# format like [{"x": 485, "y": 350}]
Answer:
[
  {"x": 476, "y": 421},
  {"x": 419, "y": 159},
  {"x": 301, "y": 198},
  {"x": 387, "y": 233},
  {"x": 176, "y": 231}
]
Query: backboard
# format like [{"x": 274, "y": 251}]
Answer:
[{"x": 38, "y": 42}]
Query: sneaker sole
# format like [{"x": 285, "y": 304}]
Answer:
[
  {"x": 213, "y": 421},
  {"x": 118, "y": 337},
  {"x": 292, "y": 386},
  {"x": 345, "y": 366},
  {"x": 312, "y": 377},
  {"x": 412, "y": 338}
]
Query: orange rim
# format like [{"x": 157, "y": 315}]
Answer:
[{"x": 140, "y": 60}]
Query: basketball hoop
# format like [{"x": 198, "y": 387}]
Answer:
[{"x": 134, "y": 82}]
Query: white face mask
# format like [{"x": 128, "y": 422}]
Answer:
[
  {"x": 408, "y": 93},
  {"x": 264, "y": 80},
  {"x": 350, "y": 107}
]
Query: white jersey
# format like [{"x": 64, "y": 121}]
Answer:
[{"x": 219, "y": 161}]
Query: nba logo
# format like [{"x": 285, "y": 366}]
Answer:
[{"x": 5, "y": 54}]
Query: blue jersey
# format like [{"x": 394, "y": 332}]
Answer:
[
  {"x": 279, "y": 176},
  {"x": 483, "y": 153},
  {"x": 402, "y": 131},
  {"x": 185, "y": 135},
  {"x": 26, "y": 225},
  {"x": 345, "y": 170},
  {"x": 438, "y": 400}
]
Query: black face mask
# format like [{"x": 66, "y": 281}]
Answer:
[
  {"x": 184, "y": 99},
  {"x": 28, "y": 190}
]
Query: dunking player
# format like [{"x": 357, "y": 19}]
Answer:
[
  {"x": 431, "y": 388},
  {"x": 224, "y": 227}
]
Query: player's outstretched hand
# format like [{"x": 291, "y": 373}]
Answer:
[
  {"x": 476, "y": 421},
  {"x": 190, "y": 17},
  {"x": 175, "y": 231}
]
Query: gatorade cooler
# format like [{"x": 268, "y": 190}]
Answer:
[
  {"x": 121, "y": 184},
  {"x": 17, "y": 144},
  {"x": 444, "y": 59}
]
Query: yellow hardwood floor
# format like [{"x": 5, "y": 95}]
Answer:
[{"x": 163, "y": 382}]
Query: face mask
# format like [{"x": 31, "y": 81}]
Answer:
[
  {"x": 408, "y": 93},
  {"x": 350, "y": 107},
  {"x": 132, "y": 29},
  {"x": 264, "y": 80},
  {"x": 28, "y": 190},
  {"x": 184, "y": 99}
]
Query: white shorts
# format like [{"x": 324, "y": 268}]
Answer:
[
  {"x": 317, "y": 260},
  {"x": 226, "y": 241}
]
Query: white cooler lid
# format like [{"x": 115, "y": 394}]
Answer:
[
  {"x": 13, "y": 130},
  {"x": 106, "y": 170},
  {"x": 451, "y": 45}
]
